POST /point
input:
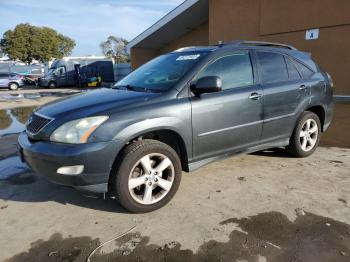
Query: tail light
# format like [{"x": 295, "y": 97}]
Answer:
[{"x": 330, "y": 80}]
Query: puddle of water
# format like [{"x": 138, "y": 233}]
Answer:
[
  {"x": 13, "y": 121},
  {"x": 12, "y": 166},
  {"x": 37, "y": 95}
]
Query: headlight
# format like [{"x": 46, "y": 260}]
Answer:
[{"x": 77, "y": 131}]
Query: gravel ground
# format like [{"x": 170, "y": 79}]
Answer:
[{"x": 260, "y": 207}]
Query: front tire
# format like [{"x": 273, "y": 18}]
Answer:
[
  {"x": 13, "y": 86},
  {"x": 306, "y": 135},
  {"x": 52, "y": 85},
  {"x": 147, "y": 176}
]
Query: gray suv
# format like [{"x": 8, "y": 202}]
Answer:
[
  {"x": 176, "y": 113},
  {"x": 12, "y": 81}
]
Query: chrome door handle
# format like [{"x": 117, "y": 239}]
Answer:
[
  {"x": 255, "y": 96},
  {"x": 302, "y": 87}
]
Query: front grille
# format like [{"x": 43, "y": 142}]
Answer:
[{"x": 36, "y": 123}]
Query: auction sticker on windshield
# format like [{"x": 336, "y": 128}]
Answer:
[{"x": 188, "y": 57}]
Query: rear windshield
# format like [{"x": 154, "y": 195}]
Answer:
[{"x": 163, "y": 72}]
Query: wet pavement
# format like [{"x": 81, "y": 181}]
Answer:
[
  {"x": 264, "y": 237},
  {"x": 251, "y": 194},
  {"x": 36, "y": 95},
  {"x": 12, "y": 121}
]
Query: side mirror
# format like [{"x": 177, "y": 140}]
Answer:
[{"x": 208, "y": 84}]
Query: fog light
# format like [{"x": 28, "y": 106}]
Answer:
[{"x": 70, "y": 170}]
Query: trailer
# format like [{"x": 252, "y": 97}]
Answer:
[{"x": 78, "y": 71}]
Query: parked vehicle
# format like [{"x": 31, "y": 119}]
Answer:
[
  {"x": 30, "y": 73},
  {"x": 77, "y": 72},
  {"x": 11, "y": 81},
  {"x": 177, "y": 113}
]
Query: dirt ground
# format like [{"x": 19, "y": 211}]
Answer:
[{"x": 265, "y": 206}]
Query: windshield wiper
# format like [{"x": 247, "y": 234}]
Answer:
[
  {"x": 132, "y": 88},
  {"x": 128, "y": 87}
]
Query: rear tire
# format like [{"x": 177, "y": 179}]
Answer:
[
  {"x": 147, "y": 176},
  {"x": 52, "y": 85},
  {"x": 306, "y": 135},
  {"x": 13, "y": 86}
]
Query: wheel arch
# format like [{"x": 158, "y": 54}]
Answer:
[
  {"x": 165, "y": 135},
  {"x": 320, "y": 112},
  {"x": 52, "y": 81},
  {"x": 13, "y": 82}
]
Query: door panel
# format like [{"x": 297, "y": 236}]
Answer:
[
  {"x": 4, "y": 80},
  {"x": 61, "y": 78},
  {"x": 284, "y": 91},
  {"x": 281, "y": 102},
  {"x": 226, "y": 121},
  {"x": 229, "y": 120}
]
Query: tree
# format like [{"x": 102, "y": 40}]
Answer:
[
  {"x": 115, "y": 48},
  {"x": 27, "y": 42}
]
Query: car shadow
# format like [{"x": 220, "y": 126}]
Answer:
[
  {"x": 274, "y": 152},
  {"x": 30, "y": 187}
]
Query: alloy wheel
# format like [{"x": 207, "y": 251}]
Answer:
[
  {"x": 308, "y": 135},
  {"x": 151, "y": 178},
  {"x": 13, "y": 86}
]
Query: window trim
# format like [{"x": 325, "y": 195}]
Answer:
[
  {"x": 230, "y": 53},
  {"x": 294, "y": 60},
  {"x": 295, "y": 66},
  {"x": 302, "y": 64}
]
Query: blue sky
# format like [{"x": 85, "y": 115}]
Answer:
[{"x": 88, "y": 22}]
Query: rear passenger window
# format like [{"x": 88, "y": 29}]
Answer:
[
  {"x": 305, "y": 72},
  {"x": 273, "y": 67},
  {"x": 235, "y": 70},
  {"x": 292, "y": 70}
]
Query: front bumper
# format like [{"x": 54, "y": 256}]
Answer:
[
  {"x": 43, "y": 82},
  {"x": 45, "y": 157}
]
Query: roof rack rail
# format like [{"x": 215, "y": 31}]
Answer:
[{"x": 260, "y": 43}]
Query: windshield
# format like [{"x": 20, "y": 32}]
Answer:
[
  {"x": 162, "y": 73},
  {"x": 51, "y": 70}
]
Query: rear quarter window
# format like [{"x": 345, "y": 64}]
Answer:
[
  {"x": 292, "y": 70},
  {"x": 305, "y": 72}
]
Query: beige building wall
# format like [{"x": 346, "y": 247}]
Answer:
[
  {"x": 286, "y": 22},
  {"x": 197, "y": 36},
  {"x": 276, "y": 21}
]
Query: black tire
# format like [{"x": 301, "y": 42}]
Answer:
[
  {"x": 126, "y": 162},
  {"x": 295, "y": 145},
  {"x": 13, "y": 86},
  {"x": 52, "y": 85}
]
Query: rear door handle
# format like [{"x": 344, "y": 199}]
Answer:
[
  {"x": 302, "y": 87},
  {"x": 255, "y": 96}
]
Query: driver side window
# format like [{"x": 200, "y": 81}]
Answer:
[
  {"x": 235, "y": 70},
  {"x": 60, "y": 71}
]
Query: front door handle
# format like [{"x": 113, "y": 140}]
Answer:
[
  {"x": 255, "y": 96},
  {"x": 302, "y": 87}
]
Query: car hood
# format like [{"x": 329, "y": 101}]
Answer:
[{"x": 93, "y": 102}]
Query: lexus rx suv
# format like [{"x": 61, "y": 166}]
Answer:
[{"x": 176, "y": 113}]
